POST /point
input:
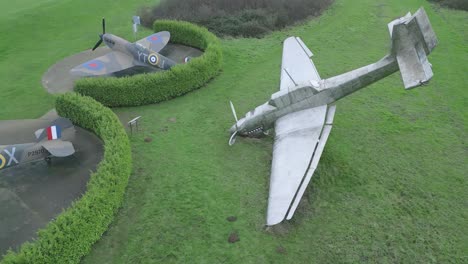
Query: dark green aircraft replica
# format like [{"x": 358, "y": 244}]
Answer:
[
  {"x": 125, "y": 54},
  {"x": 51, "y": 142}
]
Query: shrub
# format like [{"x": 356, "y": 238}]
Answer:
[
  {"x": 156, "y": 87},
  {"x": 456, "y": 4},
  {"x": 68, "y": 238},
  {"x": 248, "y": 18}
]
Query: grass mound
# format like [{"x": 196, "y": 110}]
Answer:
[{"x": 247, "y": 18}]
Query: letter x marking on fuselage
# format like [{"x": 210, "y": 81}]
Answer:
[{"x": 11, "y": 155}]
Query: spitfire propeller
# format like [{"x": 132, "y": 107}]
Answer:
[
  {"x": 232, "y": 140},
  {"x": 100, "y": 35}
]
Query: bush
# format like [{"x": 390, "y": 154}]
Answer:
[
  {"x": 248, "y": 18},
  {"x": 156, "y": 87},
  {"x": 456, "y": 4},
  {"x": 71, "y": 235}
]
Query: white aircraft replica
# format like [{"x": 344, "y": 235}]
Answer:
[{"x": 302, "y": 111}]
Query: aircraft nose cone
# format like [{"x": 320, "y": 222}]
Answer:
[{"x": 233, "y": 129}]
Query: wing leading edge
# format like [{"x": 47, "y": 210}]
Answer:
[{"x": 299, "y": 143}]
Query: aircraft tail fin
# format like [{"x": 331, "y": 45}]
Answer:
[
  {"x": 54, "y": 131},
  {"x": 412, "y": 40}
]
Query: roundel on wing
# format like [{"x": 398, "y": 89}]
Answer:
[
  {"x": 154, "y": 38},
  {"x": 94, "y": 65},
  {"x": 153, "y": 59},
  {"x": 2, "y": 161}
]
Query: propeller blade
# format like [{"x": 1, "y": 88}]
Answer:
[
  {"x": 103, "y": 26},
  {"x": 232, "y": 140},
  {"x": 233, "y": 111},
  {"x": 97, "y": 44}
]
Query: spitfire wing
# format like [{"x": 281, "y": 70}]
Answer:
[
  {"x": 155, "y": 42},
  {"x": 59, "y": 148},
  {"x": 299, "y": 142},
  {"x": 297, "y": 66},
  {"x": 113, "y": 61}
]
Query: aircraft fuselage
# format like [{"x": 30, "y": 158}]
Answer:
[
  {"x": 141, "y": 55},
  {"x": 309, "y": 95},
  {"x": 21, "y": 153},
  {"x": 16, "y": 154}
]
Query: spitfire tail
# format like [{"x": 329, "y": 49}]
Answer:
[
  {"x": 54, "y": 131},
  {"x": 412, "y": 40}
]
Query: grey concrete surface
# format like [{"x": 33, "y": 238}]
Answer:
[
  {"x": 32, "y": 194},
  {"x": 58, "y": 79}
]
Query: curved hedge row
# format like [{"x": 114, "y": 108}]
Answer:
[
  {"x": 71, "y": 235},
  {"x": 152, "y": 88}
]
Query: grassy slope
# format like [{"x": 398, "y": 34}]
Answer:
[
  {"x": 390, "y": 187},
  {"x": 36, "y": 34}
]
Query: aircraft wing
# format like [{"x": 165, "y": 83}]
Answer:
[
  {"x": 297, "y": 66},
  {"x": 155, "y": 42},
  {"x": 113, "y": 61},
  {"x": 299, "y": 142},
  {"x": 59, "y": 148}
]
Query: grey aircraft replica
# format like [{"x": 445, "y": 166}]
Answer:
[
  {"x": 51, "y": 141},
  {"x": 302, "y": 111},
  {"x": 125, "y": 54}
]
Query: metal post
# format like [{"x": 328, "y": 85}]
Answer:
[{"x": 132, "y": 122}]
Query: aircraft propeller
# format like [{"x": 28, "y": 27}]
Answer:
[
  {"x": 100, "y": 35},
  {"x": 232, "y": 139},
  {"x": 233, "y": 112}
]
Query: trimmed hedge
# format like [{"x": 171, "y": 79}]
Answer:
[
  {"x": 71, "y": 235},
  {"x": 151, "y": 88}
]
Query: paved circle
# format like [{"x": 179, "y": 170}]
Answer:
[
  {"x": 58, "y": 79},
  {"x": 34, "y": 193}
]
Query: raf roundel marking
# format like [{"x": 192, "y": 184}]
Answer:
[
  {"x": 154, "y": 39},
  {"x": 153, "y": 59},
  {"x": 2, "y": 161},
  {"x": 94, "y": 65}
]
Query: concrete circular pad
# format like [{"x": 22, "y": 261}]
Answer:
[
  {"x": 33, "y": 194},
  {"x": 58, "y": 79}
]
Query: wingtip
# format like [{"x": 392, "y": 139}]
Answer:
[
  {"x": 274, "y": 218},
  {"x": 274, "y": 222}
]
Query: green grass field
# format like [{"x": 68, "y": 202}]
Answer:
[{"x": 391, "y": 185}]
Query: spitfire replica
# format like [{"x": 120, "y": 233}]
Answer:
[
  {"x": 49, "y": 143},
  {"x": 302, "y": 111},
  {"x": 125, "y": 55}
]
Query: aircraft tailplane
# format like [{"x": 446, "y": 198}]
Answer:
[
  {"x": 412, "y": 40},
  {"x": 59, "y": 148}
]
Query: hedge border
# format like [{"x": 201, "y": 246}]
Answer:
[
  {"x": 151, "y": 88},
  {"x": 72, "y": 234}
]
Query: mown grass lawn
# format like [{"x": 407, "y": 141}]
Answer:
[
  {"x": 35, "y": 34},
  {"x": 391, "y": 185}
]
